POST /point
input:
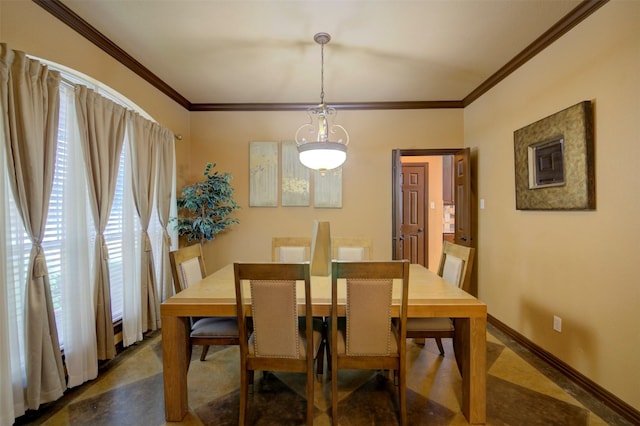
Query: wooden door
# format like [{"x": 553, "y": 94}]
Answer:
[
  {"x": 462, "y": 195},
  {"x": 413, "y": 203}
]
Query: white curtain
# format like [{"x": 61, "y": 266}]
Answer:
[
  {"x": 78, "y": 313},
  {"x": 102, "y": 124},
  {"x": 132, "y": 322},
  {"x": 30, "y": 102},
  {"x": 11, "y": 352},
  {"x": 165, "y": 179}
]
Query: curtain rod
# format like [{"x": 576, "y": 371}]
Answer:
[{"x": 73, "y": 84}]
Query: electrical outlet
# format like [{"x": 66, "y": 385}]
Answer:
[{"x": 557, "y": 323}]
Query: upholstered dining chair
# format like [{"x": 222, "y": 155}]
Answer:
[
  {"x": 367, "y": 337},
  {"x": 351, "y": 248},
  {"x": 277, "y": 341},
  {"x": 456, "y": 264},
  {"x": 187, "y": 266},
  {"x": 290, "y": 249},
  {"x": 298, "y": 249}
]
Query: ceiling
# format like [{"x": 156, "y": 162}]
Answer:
[{"x": 208, "y": 53}]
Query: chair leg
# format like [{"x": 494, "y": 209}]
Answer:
[
  {"x": 320, "y": 361},
  {"x": 402, "y": 392},
  {"x": 334, "y": 396},
  {"x": 309, "y": 395},
  {"x": 244, "y": 393},
  {"x": 440, "y": 347},
  {"x": 327, "y": 349},
  {"x": 203, "y": 354}
]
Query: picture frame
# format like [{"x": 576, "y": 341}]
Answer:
[
  {"x": 327, "y": 190},
  {"x": 263, "y": 174},
  {"x": 554, "y": 161},
  {"x": 295, "y": 179}
]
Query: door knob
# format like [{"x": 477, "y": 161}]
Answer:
[{"x": 420, "y": 230}]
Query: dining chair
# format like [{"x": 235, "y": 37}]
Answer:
[
  {"x": 456, "y": 264},
  {"x": 367, "y": 337},
  {"x": 187, "y": 266},
  {"x": 290, "y": 249},
  {"x": 298, "y": 249},
  {"x": 277, "y": 341},
  {"x": 351, "y": 248}
]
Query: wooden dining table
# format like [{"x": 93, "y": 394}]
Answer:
[{"x": 429, "y": 296}]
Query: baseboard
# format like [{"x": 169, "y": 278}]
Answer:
[{"x": 607, "y": 398}]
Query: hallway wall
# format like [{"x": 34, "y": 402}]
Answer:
[{"x": 579, "y": 265}]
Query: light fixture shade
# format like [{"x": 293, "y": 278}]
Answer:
[
  {"x": 320, "y": 153},
  {"x": 322, "y": 156}
]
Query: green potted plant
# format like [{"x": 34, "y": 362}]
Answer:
[{"x": 205, "y": 207}]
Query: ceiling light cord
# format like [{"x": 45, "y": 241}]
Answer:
[{"x": 322, "y": 72}]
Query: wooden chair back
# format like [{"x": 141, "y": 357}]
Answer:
[
  {"x": 451, "y": 251},
  {"x": 187, "y": 266},
  {"x": 275, "y": 342},
  {"x": 290, "y": 249},
  {"x": 369, "y": 339},
  {"x": 352, "y": 248}
]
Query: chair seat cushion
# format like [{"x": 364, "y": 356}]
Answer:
[
  {"x": 429, "y": 324},
  {"x": 215, "y": 327}
]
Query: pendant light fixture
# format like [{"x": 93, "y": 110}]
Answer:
[{"x": 321, "y": 153}]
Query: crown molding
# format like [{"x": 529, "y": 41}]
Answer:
[
  {"x": 570, "y": 20},
  {"x": 70, "y": 18}
]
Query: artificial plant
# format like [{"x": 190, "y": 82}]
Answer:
[{"x": 205, "y": 207}]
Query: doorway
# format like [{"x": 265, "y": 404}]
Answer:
[{"x": 449, "y": 205}]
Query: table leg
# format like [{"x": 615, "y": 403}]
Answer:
[
  {"x": 470, "y": 346},
  {"x": 175, "y": 341}
]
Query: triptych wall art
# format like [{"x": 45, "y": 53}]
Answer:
[
  {"x": 276, "y": 174},
  {"x": 554, "y": 161}
]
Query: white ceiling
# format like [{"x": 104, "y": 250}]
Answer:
[{"x": 250, "y": 51}]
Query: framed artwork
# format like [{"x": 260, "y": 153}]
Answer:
[
  {"x": 263, "y": 174},
  {"x": 554, "y": 161},
  {"x": 295, "y": 177},
  {"x": 327, "y": 188}
]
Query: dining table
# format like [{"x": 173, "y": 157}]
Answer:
[{"x": 429, "y": 296}]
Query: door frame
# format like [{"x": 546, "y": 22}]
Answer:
[{"x": 396, "y": 168}]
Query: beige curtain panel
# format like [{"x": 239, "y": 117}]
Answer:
[
  {"x": 102, "y": 126},
  {"x": 30, "y": 107},
  {"x": 144, "y": 138}
]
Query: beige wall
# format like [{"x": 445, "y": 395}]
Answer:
[
  {"x": 27, "y": 27},
  {"x": 224, "y": 137},
  {"x": 578, "y": 265},
  {"x": 531, "y": 265}
]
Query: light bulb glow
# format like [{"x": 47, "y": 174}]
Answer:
[{"x": 322, "y": 155}]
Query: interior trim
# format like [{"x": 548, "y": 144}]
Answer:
[
  {"x": 82, "y": 27},
  {"x": 337, "y": 105},
  {"x": 67, "y": 16},
  {"x": 600, "y": 393},
  {"x": 570, "y": 20}
]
